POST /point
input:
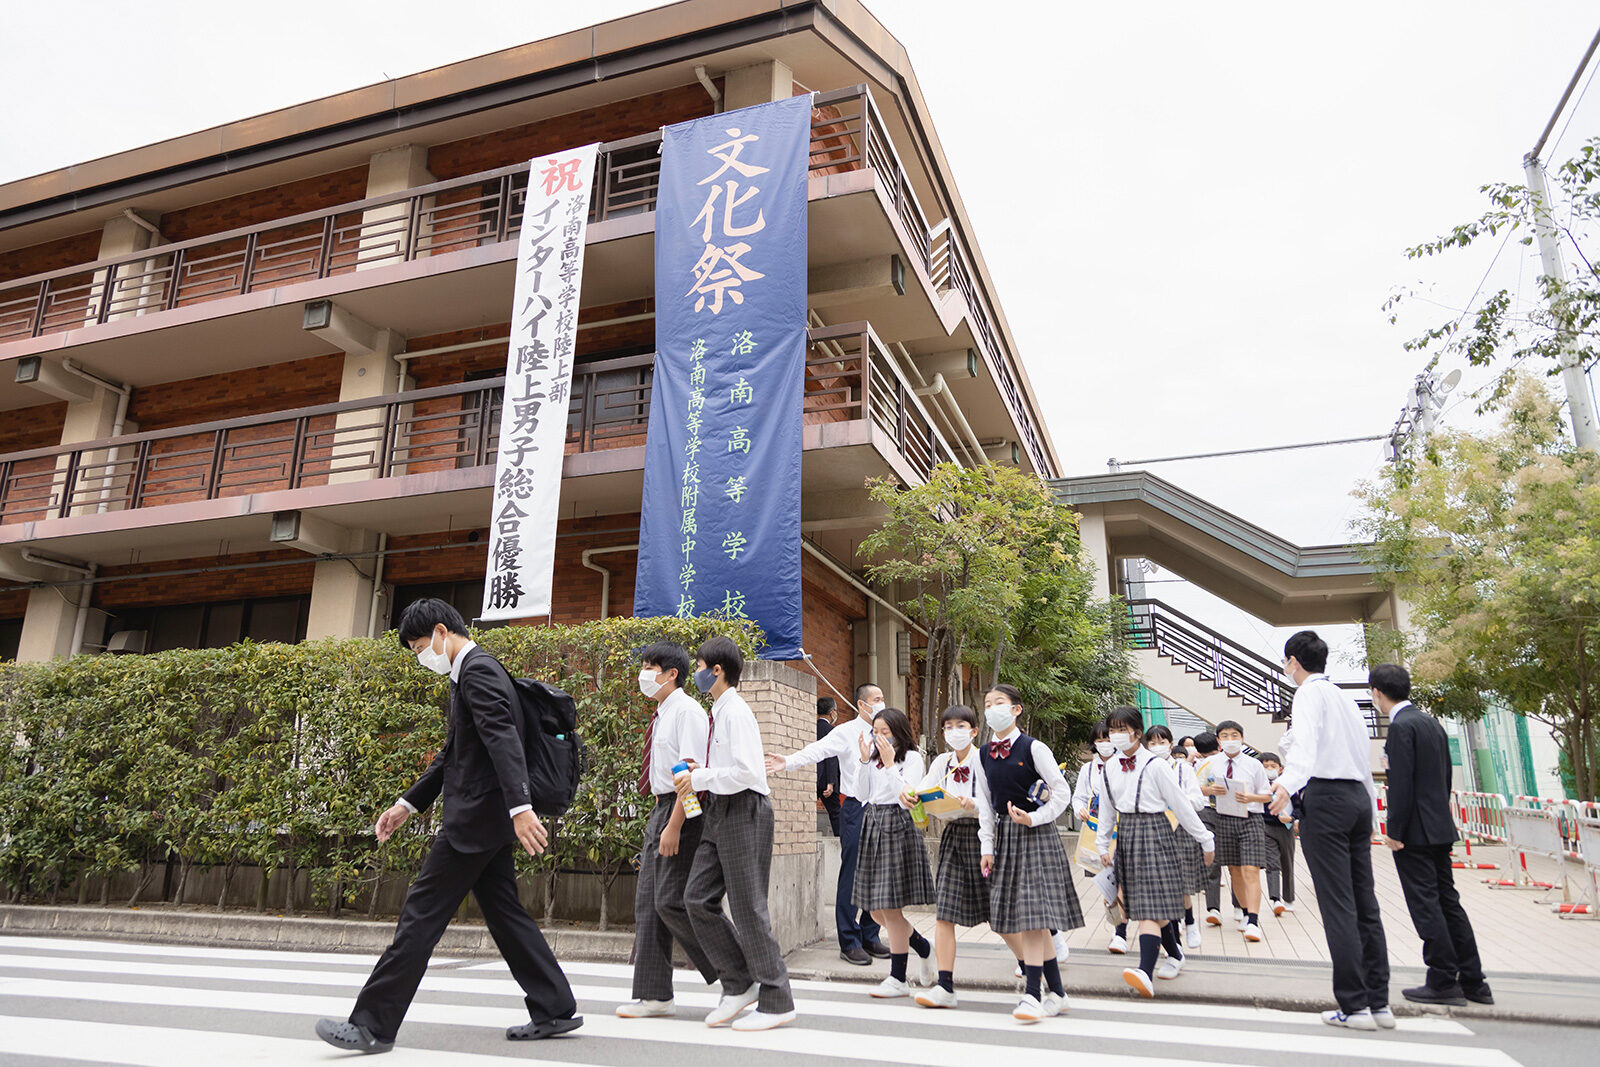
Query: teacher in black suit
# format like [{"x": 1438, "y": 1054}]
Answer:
[
  {"x": 1419, "y": 833},
  {"x": 483, "y": 778}
]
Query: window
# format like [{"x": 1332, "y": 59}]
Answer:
[
  {"x": 218, "y": 625},
  {"x": 466, "y": 597}
]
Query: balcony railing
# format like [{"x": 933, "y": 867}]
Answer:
[
  {"x": 848, "y": 377},
  {"x": 847, "y": 134}
]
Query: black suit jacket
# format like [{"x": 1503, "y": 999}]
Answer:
[
  {"x": 828, "y": 769},
  {"x": 1419, "y": 780},
  {"x": 480, "y": 772}
]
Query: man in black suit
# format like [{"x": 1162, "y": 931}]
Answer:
[
  {"x": 828, "y": 769},
  {"x": 483, "y": 779},
  {"x": 1420, "y": 831}
]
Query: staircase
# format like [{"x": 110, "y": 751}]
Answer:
[{"x": 1216, "y": 678}]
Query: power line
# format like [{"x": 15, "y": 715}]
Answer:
[
  {"x": 1117, "y": 464},
  {"x": 1562, "y": 103}
]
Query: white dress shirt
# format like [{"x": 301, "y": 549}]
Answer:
[
  {"x": 737, "y": 761},
  {"x": 939, "y": 777},
  {"x": 1087, "y": 774},
  {"x": 1044, "y": 763},
  {"x": 842, "y": 742},
  {"x": 1189, "y": 783},
  {"x": 1330, "y": 739},
  {"x": 1161, "y": 792},
  {"x": 455, "y": 677},
  {"x": 680, "y": 734},
  {"x": 1243, "y": 768},
  {"x": 884, "y": 785}
]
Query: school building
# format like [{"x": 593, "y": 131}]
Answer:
[{"x": 250, "y": 378}]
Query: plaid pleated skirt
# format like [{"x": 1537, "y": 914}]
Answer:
[
  {"x": 1241, "y": 842},
  {"x": 1194, "y": 862},
  {"x": 962, "y": 892},
  {"x": 892, "y": 867},
  {"x": 1149, "y": 866},
  {"x": 1030, "y": 888}
]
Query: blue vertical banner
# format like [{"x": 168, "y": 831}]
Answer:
[{"x": 719, "y": 531}]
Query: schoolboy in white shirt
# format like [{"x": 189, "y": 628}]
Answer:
[{"x": 1242, "y": 791}]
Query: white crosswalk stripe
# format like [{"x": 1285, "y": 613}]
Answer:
[{"x": 148, "y": 1004}]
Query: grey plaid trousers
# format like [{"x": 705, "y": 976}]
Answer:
[
  {"x": 735, "y": 860},
  {"x": 659, "y": 915}
]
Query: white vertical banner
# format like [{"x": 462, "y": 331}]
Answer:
[{"x": 533, "y": 418}]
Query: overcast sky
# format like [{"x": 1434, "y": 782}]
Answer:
[{"x": 1192, "y": 212}]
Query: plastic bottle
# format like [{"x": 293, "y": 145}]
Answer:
[
  {"x": 691, "y": 803},
  {"x": 919, "y": 814}
]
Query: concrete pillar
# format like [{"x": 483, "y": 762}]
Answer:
[
  {"x": 1096, "y": 546},
  {"x": 758, "y": 84},
  {"x": 341, "y": 592},
  {"x": 383, "y": 230},
  {"x": 48, "y": 625},
  {"x": 889, "y": 679},
  {"x": 121, "y": 236}
]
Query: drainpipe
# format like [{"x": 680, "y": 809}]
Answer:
[
  {"x": 860, "y": 586},
  {"x": 605, "y": 576},
  {"x": 710, "y": 87},
  {"x": 80, "y": 622},
  {"x": 939, "y": 392},
  {"x": 121, "y": 420},
  {"x": 145, "y": 224},
  {"x": 377, "y": 585}
]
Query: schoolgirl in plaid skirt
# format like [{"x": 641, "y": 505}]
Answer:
[
  {"x": 1137, "y": 796},
  {"x": 1158, "y": 739},
  {"x": 892, "y": 870}
]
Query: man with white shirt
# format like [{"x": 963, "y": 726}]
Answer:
[
  {"x": 1329, "y": 761},
  {"x": 858, "y": 934},
  {"x": 483, "y": 778},
  {"x": 734, "y": 859}
]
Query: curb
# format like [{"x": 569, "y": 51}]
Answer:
[{"x": 304, "y": 934}]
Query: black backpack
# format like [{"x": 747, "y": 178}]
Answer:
[{"x": 551, "y": 747}]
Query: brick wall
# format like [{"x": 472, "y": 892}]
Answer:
[
  {"x": 52, "y": 255},
  {"x": 448, "y": 368},
  {"x": 28, "y": 428},
  {"x": 252, "y": 391},
  {"x": 608, "y": 122},
  {"x": 220, "y": 578},
  {"x": 264, "y": 205},
  {"x": 785, "y": 703}
]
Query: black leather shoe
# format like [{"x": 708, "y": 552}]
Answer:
[
  {"x": 539, "y": 1031},
  {"x": 857, "y": 956},
  {"x": 1425, "y": 994},
  {"x": 1479, "y": 994},
  {"x": 877, "y": 950},
  {"x": 350, "y": 1037}
]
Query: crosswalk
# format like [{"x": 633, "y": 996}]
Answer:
[{"x": 73, "y": 1001}]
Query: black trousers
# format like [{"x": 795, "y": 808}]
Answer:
[
  {"x": 1280, "y": 850},
  {"x": 1448, "y": 946},
  {"x": 659, "y": 914},
  {"x": 447, "y": 876},
  {"x": 831, "y": 806},
  {"x": 856, "y": 928},
  {"x": 1336, "y": 834}
]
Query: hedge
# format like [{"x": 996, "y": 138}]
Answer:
[{"x": 280, "y": 757}]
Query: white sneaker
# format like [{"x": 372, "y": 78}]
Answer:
[
  {"x": 936, "y": 997},
  {"x": 1213, "y": 917},
  {"x": 928, "y": 970},
  {"x": 645, "y": 1009},
  {"x": 1018, "y": 972},
  {"x": 1361, "y": 1020},
  {"x": 1252, "y": 932},
  {"x": 731, "y": 1005},
  {"x": 1384, "y": 1018},
  {"x": 1053, "y": 1004},
  {"x": 890, "y": 987},
  {"x": 764, "y": 1020},
  {"x": 1277, "y": 907},
  {"x": 1118, "y": 946},
  {"x": 1239, "y": 919},
  {"x": 1191, "y": 935},
  {"x": 1170, "y": 968},
  {"x": 1139, "y": 981},
  {"x": 1028, "y": 1010},
  {"x": 1286, "y": 905},
  {"x": 1059, "y": 940}
]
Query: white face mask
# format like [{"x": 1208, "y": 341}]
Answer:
[
  {"x": 1160, "y": 751},
  {"x": 437, "y": 662},
  {"x": 878, "y": 707},
  {"x": 1120, "y": 740},
  {"x": 1000, "y": 717},
  {"x": 647, "y": 682},
  {"x": 1272, "y": 775},
  {"x": 1105, "y": 748},
  {"x": 1233, "y": 748},
  {"x": 958, "y": 739}
]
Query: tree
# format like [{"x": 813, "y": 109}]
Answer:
[
  {"x": 1495, "y": 540},
  {"x": 1569, "y": 319},
  {"x": 999, "y": 582}
]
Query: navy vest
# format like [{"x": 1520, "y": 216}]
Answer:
[{"x": 1011, "y": 778}]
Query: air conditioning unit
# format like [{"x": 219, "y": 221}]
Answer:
[{"x": 128, "y": 642}]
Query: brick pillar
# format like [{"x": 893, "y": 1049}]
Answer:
[{"x": 785, "y": 703}]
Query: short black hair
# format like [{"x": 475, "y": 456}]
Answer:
[
  {"x": 1099, "y": 730},
  {"x": 1310, "y": 650},
  {"x": 1392, "y": 680},
  {"x": 1010, "y": 692},
  {"x": 1185, "y": 742},
  {"x": 720, "y": 651},
  {"x": 669, "y": 656},
  {"x": 1205, "y": 743},
  {"x": 1126, "y": 716},
  {"x": 861, "y": 690},
  {"x": 959, "y": 713},
  {"x": 1158, "y": 731},
  {"x": 899, "y": 724},
  {"x": 1270, "y": 757},
  {"x": 1229, "y": 724},
  {"x": 825, "y": 707},
  {"x": 421, "y": 617}
]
